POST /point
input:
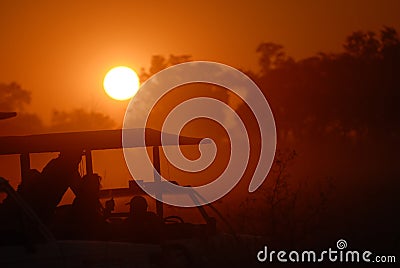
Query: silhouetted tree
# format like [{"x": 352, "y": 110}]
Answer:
[
  {"x": 159, "y": 62},
  {"x": 272, "y": 56},
  {"x": 362, "y": 45},
  {"x": 389, "y": 38},
  {"x": 15, "y": 98},
  {"x": 80, "y": 119}
]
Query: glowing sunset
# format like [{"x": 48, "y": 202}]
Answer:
[{"x": 121, "y": 83}]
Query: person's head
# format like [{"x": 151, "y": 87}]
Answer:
[
  {"x": 110, "y": 204},
  {"x": 72, "y": 157},
  {"x": 138, "y": 205},
  {"x": 90, "y": 184}
]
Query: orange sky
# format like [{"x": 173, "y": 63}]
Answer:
[{"x": 61, "y": 50}]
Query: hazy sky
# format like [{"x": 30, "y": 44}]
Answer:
[{"x": 61, "y": 50}]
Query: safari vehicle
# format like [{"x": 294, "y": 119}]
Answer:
[{"x": 29, "y": 242}]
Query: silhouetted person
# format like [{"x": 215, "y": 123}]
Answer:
[
  {"x": 56, "y": 177},
  {"x": 143, "y": 225},
  {"x": 86, "y": 201},
  {"x": 44, "y": 190},
  {"x": 108, "y": 208},
  {"x": 87, "y": 219}
]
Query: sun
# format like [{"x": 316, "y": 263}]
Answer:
[{"x": 121, "y": 83}]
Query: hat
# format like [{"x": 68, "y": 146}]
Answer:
[{"x": 137, "y": 200}]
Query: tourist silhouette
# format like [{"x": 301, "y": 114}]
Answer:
[
  {"x": 86, "y": 218},
  {"x": 109, "y": 207},
  {"x": 143, "y": 225},
  {"x": 44, "y": 190},
  {"x": 56, "y": 177}
]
